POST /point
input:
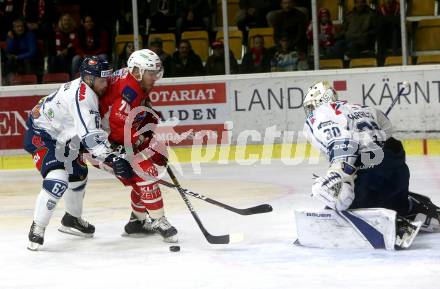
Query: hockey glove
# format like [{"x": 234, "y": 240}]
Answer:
[
  {"x": 154, "y": 150},
  {"x": 121, "y": 167},
  {"x": 336, "y": 188}
]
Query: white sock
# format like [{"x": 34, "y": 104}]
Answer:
[
  {"x": 156, "y": 214},
  {"x": 44, "y": 208},
  {"x": 73, "y": 199}
]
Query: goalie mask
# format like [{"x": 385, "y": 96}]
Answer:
[
  {"x": 147, "y": 62},
  {"x": 318, "y": 94}
]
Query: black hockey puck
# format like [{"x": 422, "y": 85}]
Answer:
[{"x": 174, "y": 248}]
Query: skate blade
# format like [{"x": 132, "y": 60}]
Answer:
[
  {"x": 33, "y": 246},
  {"x": 433, "y": 225},
  {"x": 408, "y": 241},
  {"x": 171, "y": 239},
  {"x": 72, "y": 231},
  {"x": 135, "y": 235}
]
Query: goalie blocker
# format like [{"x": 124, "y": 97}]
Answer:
[{"x": 374, "y": 228}]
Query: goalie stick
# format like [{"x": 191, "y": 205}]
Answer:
[
  {"x": 405, "y": 85},
  {"x": 222, "y": 239}
]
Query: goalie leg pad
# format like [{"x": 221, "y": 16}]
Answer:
[{"x": 360, "y": 229}]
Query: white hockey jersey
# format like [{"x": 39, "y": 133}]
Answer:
[
  {"x": 72, "y": 111},
  {"x": 345, "y": 131}
]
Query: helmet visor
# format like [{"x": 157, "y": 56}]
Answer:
[{"x": 155, "y": 74}]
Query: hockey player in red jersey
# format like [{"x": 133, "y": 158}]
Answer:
[{"x": 129, "y": 90}]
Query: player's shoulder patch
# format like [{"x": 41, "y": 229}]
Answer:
[
  {"x": 82, "y": 91},
  {"x": 129, "y": 94}
]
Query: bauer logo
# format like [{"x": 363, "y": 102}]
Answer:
[{"x": 319, "y": 215}]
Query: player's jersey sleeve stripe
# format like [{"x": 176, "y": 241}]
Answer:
[
  {"x": 313, "y": 134},
  {"x": 79, "y": 111}
]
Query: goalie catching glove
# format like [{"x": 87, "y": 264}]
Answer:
[{"x": 336, "y": 188}]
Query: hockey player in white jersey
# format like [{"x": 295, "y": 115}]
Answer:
[
  {"x": 367, "y": 165},
  {"x": 61, "y": 127}
]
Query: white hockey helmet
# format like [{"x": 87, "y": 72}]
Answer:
[
  {"x": 318, "y": 94},
  {"x": 146, "y": 61}
]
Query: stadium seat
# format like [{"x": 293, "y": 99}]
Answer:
[
  {"x": 56, "y": 77},
  {"x": 426, "y": 35},
  {"x": 168, "y": 41},
  {"x": 267, "y": 34},
  {"x": 235, "y": 42},
  {"x": 122, "y": 39},
  {"x": 421, "y": 7},
  {"x": 395, "y": 61},
  {"x": 331, "y": 64},
  {"x": 233, "y": 7},
  {"x": 331, "y": 5},
  {"x": 23, "y": 79},
  {"x": 428, "y": 59},
  {"x": 199, "y": 41},
  {"x": 363, "y": 62}
]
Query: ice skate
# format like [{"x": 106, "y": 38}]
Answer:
[
  {"x": 76, "y": 226},
  {"x": 163, "y": 227},
  {"x": 36, "y": 237}
]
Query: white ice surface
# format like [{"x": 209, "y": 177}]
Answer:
[{"x": 265, "y": 259}]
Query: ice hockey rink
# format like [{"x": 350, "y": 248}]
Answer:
[{"x": 266, "y": 258}]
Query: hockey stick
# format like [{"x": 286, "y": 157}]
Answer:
[
  {"x": 260, "y": 209},
  {"x": 223, "y": 239},
  {"x": 405, "y": 85}
]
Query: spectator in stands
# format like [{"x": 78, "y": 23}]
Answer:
[
  {"x": 302, "y": 5},
  {"x": 292, "y": 23},
  {"x": 21, "y": 49},
  {"x": 358, "y": 31},
  {"x": 39, "y": 16},
  {"x": 257, "y": 59},
  {"x": 161, "y": 13},
  {"x": 63, "y": 51},
  {"x": 91, "y": 40},
  {"x": 326, "y": 33},
  {"x": 124, "y": 55},
  {"x": 215, "y": 65},
  {"x": 194, "y": 13},
  {"x": 156, "y": 45},
  {"x": 125, "y": 18},
  {"x": 9, "y": 11},
  {"x": 286, "y": 59},
  {"x": 252, "y": 13},
  {"x": 185, "y": 62},
  {"x": 388, "y": 28}
]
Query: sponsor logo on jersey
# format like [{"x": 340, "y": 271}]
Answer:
[
  {"x": 325, "y": 123},
  {"x": 82, "y": 91},
  {"x": 50, "y": 114},
  {"x": 36, "y": 111},
  {"x": 37, "y": 141},
  {"x": 67, "y": 86},
  {"x": 129, "y": 94}
]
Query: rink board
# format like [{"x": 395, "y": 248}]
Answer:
[{"x": 255, "y": 111}]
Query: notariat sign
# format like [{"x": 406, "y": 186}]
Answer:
[
  {"x": 14, "y": 112},
  {"x": 198, "y": 112}
]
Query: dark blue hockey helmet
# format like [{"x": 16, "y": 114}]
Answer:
[{"x": 95, "y": 66}]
